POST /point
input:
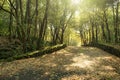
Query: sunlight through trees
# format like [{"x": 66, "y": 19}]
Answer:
[
  {"x": 37, "y": 24},
  {"x": 73, "y": 32},
  {"x": 76, "y": 2}
]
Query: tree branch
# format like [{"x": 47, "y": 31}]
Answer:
[{"x": 1, "y": 8}]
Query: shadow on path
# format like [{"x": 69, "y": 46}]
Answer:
[{"x": 71, "y": 63}]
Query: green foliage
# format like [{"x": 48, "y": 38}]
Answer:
[
  {"x": 108, "y": 48},
  {"x": 4, "y": 24},
  {"x": 5, "y": 53},
  {"x": 8, "y": 52},
  {"x": 38, "y": 53},
  {"x": 32, "y": 21}
]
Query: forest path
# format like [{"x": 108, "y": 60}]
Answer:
[{"x": 71, "y": 63}]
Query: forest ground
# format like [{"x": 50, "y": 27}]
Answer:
[{"x": 71, "y": 63}]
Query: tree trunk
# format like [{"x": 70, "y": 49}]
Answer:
[
  {"x": 10, "y": 25},
  {"x": 116, "y": 23},
  {"x": 62, "y": 36},
  {"x": 103, "y": 31},
  {"x": 36, "y": 18},
  {"x": 43, "y": 26},
  {"x": 107, "y": 26},
  {"x": 96, "y": 30},
  {"x": 22, "y": 26},
  {"x": 93, "y": 35},
  {"x": 28, "y": 8}
]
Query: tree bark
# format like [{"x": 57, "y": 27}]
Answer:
[
  {"x": 10, "y": 25},
  {"x": 43, "y": 26},
  {"x": 116, "y": 23},
  {"x": 107, "y": 26},
  {"x": 103, "y": 31},
  {"x": 36, "y": 18}
]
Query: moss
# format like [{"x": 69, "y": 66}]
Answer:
[
  {"x": 46, "y": 50},
  {"x": 108, "y": 48}
]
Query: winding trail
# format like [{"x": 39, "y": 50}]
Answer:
[{"x": 71, "y": 63}]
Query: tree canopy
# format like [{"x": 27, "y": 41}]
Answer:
[{"x": 41, "y": 22}]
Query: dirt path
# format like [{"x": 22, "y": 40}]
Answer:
[{"x": 72, "y": 63}]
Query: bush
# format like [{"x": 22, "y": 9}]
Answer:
[{"x": 6, "y": 53}]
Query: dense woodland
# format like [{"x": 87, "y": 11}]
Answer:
[
  {"x": 101, "y": 21},
  {"x": 35, "y": 24},
  {"x": 59, "y": 39}
]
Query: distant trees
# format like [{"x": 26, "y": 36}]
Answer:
[
  {"x": 115, "y": 8},
  {"x": 36, "y": 22},
  {"x": 59, "y": 20},
  {"x": 103, "y": 20}
]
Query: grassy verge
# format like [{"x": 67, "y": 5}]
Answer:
[
  {"x": 46, "y": 50},
  {"x": 113, "y": 49}
]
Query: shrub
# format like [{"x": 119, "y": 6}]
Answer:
[{"x": 5, "y": 53}]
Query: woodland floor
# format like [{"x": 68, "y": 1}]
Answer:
[{"x": 71, "y": 63}]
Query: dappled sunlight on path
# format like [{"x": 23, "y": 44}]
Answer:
[{"x": 71, "y": 63}]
